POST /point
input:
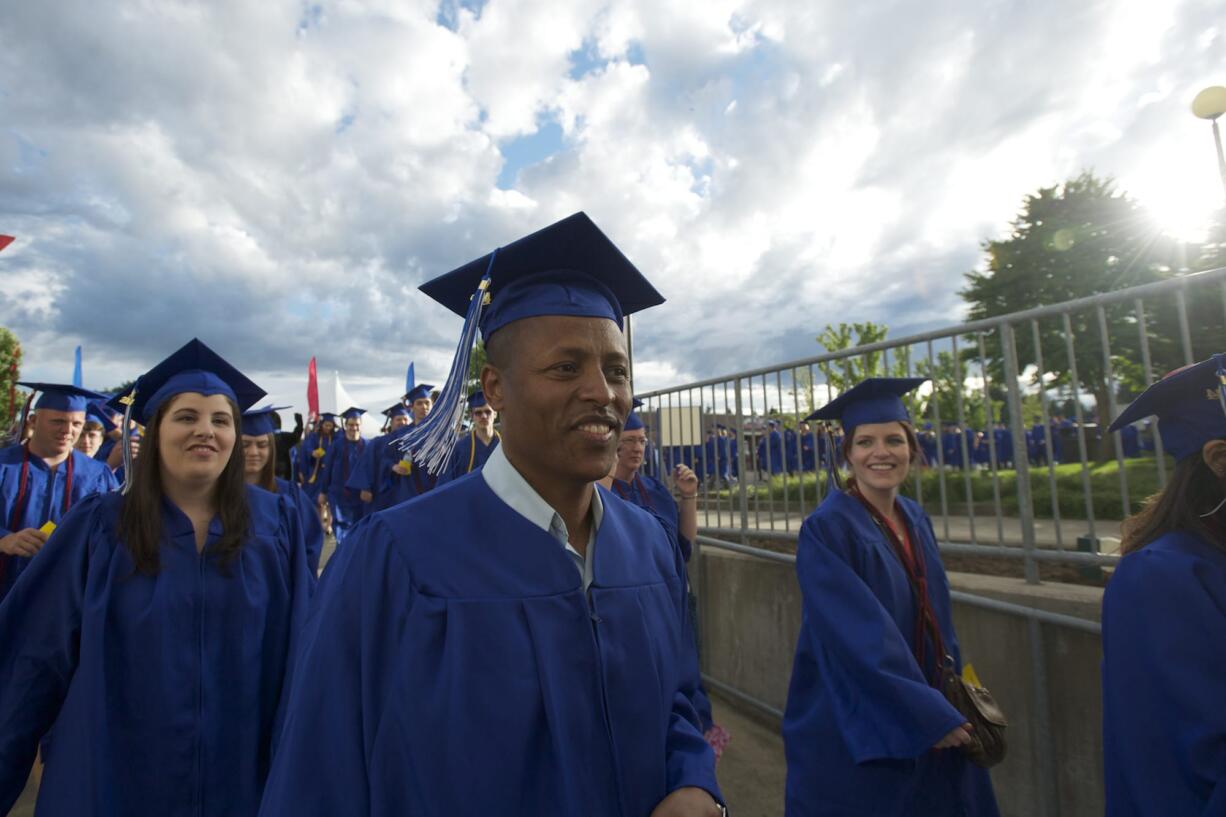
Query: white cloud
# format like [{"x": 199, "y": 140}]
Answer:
[{"x": 278, "y": 177}]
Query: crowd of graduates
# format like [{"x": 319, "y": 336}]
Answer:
[{"x": 506, "y": 624}]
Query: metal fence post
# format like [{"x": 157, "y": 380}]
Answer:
[
  {"x": 1025, "y": 504},
  {"x": 741, "y": 473},
  {"x": 1049, "y": 797}
]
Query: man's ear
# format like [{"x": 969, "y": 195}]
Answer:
[
  {"x": 492, "y": 386},
  {"x": 1214, "y": 454}
]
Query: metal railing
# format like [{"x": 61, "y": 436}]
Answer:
[{"x": 1006, "y": 475}]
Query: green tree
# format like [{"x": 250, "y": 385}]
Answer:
[
  {"x": 846, "y": 372},
  {"x": 11, "y": 397},
  {"x": 475, "y": 364},
  {"x": 1069, "y": 241},
  {"x": 948, "y": 380}
]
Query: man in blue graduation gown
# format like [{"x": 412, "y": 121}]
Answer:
[
  {"x": 399, "y": 477},
  {"x": 311, "y": 456},
  {"x": 342, "y": 459},
  {"x": 530, "y": 659},
  {"x": 364, "y": 478},
  {"x": 41, "y": 479},
  {"x": 473, "y": 449}
]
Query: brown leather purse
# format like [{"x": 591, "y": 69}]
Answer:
[{"x": 987, "y": 746}]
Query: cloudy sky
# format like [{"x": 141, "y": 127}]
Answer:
[{"x": 278, "y": 177}]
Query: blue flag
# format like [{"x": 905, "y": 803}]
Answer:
[
  {"x": 409, "y": 380},
  {"x": 76, "y": 370}
]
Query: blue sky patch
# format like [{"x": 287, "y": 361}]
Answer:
[{"x": 525, "y": 151}]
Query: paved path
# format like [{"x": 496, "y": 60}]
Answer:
[{"x": 752, "y": 771}]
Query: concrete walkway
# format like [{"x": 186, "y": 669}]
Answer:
[{"x": 752, "y": 771}]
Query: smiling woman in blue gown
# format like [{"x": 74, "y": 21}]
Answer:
[
  {"x": 1164, "y": 615},
  {"x": 155, "y": 628},
  {"x": 865, "y": 730},
  {"x": 259, "y": 468}
]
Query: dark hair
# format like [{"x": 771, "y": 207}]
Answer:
[
  {"x": 140, "y": 515},
  {"x": 1192, "y": 490},
  {"x": 267, "y": 478},
  {"x": 912, "y": 443}
]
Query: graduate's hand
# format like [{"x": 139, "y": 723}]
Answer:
[
  {"x": 366, "y": 496},
  {"x": 686, "y": 479},
  {"x": 960, "y": 736},
  {"x": 24, "y": 542},
  {"x": 400, "y": 469},
  {"x": 689, "y": 801}
]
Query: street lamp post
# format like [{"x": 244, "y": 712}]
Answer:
[{"x": 1210, "y": 104}]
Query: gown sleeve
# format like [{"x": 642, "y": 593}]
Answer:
[
  {"x": 883, "y": 706},
  {"x": 308, "y": 521},
  {"x": 343, "y": 682},
  {"x": 40, "y": 630},
  {"x": 690, "y": 759},
  {"x": 1164, "y": 675}
]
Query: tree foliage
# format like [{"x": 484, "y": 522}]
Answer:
[
  {"x": 11, "y": 397},
  {"x": 1074, "y": 240}
]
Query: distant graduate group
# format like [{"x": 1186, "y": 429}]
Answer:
[{"x": 505, "y": 626}]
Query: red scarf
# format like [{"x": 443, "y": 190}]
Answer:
[{"x": 925, "y": 619}]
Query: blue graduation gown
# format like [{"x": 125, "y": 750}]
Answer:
[
  {"x": 861, "y": 718},
  {"x": 455, "y": 666},
  {"x": 393, "y": 488},
  {"x": 343, "y": 458},
  {"x": 311, "y": 467},
  {"x": 164, "y": 690},
  {"x": 44, "y": 498},
  {"x": 308, "y": 519},
  {"x": 652, "y": 495},
  {"x": 775, "y": 453},
  {"x": 469, "y": 454},
  {"x": 1164, "y": 680}
]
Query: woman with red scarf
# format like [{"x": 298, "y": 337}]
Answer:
[{"x": 866, "y": 730}]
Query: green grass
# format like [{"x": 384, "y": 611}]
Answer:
[{"x": 1104, "y": 478}]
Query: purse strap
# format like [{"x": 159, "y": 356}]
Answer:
[{"x": 925, "y": 619}]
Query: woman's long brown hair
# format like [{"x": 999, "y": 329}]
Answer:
[
  {"x": 1192, "y": 490},
  {"x": 140, "y": 515}
]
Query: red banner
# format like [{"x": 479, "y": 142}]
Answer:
[
  {"x": 5, "y": 240},
  {"x": 312, "y": 389}
]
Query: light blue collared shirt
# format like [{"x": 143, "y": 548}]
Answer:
[{"x": 511, "y": 487}]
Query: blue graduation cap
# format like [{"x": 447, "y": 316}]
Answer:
[
  {"x": 398, "y": 410},
  {"x": 329, "y": 416},
  {"x": 420, "y": 392},
  {"x": 258, "y": 422},
  {"x": 97, "y": 412},
  {"x": 476, "y": 400},
  {"x": 1190, "y": 404},
  {"x": 61, "y": 397},
  {"x": 876, "y": 400},
  {"x": 193, "y": 368},
  {"x": 568, "y": 268},
  {"x": 353, "y": 413},
  {"x": 633, "y": 422}
]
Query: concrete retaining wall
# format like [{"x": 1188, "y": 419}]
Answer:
[{"x": 750, "y": 619}]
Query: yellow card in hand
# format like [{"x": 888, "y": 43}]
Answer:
[
  {"x": 968, "y": 675},
  {"x": 319, "y": 452},
  {"x": 407, "y": 465},
  {"x": 47, "y": 528}
]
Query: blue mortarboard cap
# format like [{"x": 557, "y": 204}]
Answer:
[
  {"x": 721, "y": 426},
  {"x": 98, "y": 412},
  {"x": 567, "y": 268},
  {"x": 398, "y": 410},
  {"x": 353, "y": 413},
  {"x": 634, "y": 422},
  {"x": 876, "y": 400},
  {"x": 636, "y": 403},
  {"x": 327, "y": 415},
  {"x": 419, "y": 392},
  {"x": 476, "y": 399},
  {"x": 1190, "y": 404},
  {"x": 193, "y": 368},
  {"x": 259, "y": 422},
  {"x": 61, "y": 397}
]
